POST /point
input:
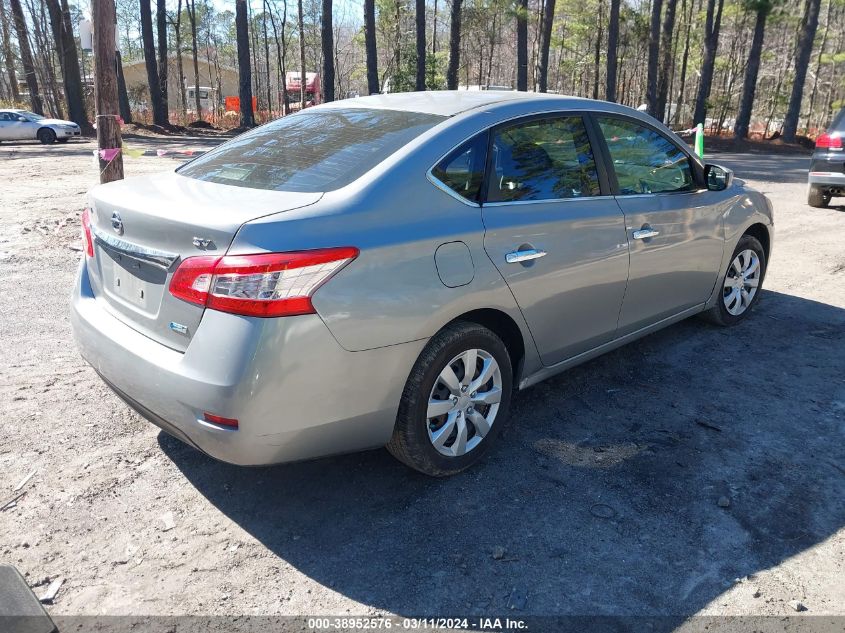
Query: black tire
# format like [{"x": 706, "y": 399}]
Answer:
[
  {"x": 817, "y": 197},
  {"x": 410, "y": 443},
  {"x": 719, "y": 314},
  {"x": 46, "y": 136}
]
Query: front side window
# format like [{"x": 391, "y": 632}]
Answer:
[
  {"x": 312, "y": 151},
  {"x": 542, "y": 159},
  {"x": 644, "y": 160},
  {"x": 462, "y": 170}
]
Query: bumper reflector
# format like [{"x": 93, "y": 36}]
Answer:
[{"x": 220, "y": 421}]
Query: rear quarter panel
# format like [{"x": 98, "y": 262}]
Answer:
[{"x": 392, "y": 292}]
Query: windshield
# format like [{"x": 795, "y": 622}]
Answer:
[
  {"x": 314, "y": 151},
  {"x": 30, "y": 115}
]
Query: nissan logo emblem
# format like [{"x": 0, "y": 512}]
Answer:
[{"x": 117, "y": 223}]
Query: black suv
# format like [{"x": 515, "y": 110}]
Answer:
[{"x": 827, "y": 169}]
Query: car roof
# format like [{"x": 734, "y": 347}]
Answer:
[{"x": 444, "y": 102}]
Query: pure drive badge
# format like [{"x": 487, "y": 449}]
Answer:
[{"x": 178, "y": 327}]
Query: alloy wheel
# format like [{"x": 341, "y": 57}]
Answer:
[
  {"x": 741, "y": 282},
  {"x": 464, "y": 402}
]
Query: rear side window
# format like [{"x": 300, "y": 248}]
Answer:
[
  {"x": 462, "y": 171},
  {"x": 644, "y": 160},
  {"x": 542, "y": 159},
  {"x": 313, "y": 151}
]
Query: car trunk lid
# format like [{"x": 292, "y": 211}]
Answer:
[{"x": 144, "y": 227}]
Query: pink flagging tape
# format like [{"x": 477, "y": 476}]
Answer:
[{"x": 109, "y": 154}]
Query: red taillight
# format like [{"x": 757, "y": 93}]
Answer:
[
  {"x": 87, "y": 240},
  {"x": 829, "y": 141},
  {"x": 264, "y": 285}
]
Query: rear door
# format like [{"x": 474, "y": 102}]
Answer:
[
  {"x": 554, "y": 235},
  {"x": 673, "y": 223},
  {"x": 6, "y": 127}
]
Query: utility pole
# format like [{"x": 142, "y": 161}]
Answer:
[{"x": 105, "y": 91}]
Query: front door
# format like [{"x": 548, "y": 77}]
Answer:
[
  {"x": 674, "y": 224},
  {"x": 557, "y": 241}
]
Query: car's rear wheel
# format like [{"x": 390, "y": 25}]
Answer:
[
  {"x": 455, "y": 401},
  {"x": 741, "y": 284},
  {"x": 46, "y": 136},
  {"x": 817, "y": 197}
]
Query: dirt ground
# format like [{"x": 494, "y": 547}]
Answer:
[{"x": 697, "y": 471}]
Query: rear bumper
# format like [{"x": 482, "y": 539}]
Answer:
[
  {"x": 830, "y": 178},
  {"x": 827, "y": 168},
  {"x": 296, "y": 393}
]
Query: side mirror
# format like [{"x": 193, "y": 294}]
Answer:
[
  {"x": 23, "y": 119},
  {"x": 718, "y": 178}
]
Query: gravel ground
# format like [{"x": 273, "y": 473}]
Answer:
[{"x": 697, "y": 471}]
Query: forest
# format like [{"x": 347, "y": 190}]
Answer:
[{"x": 770, "y": 68}]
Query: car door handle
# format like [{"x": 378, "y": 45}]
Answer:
[
  {"x": 515, "y": 257},
  {"x": 644, "y": 234}
]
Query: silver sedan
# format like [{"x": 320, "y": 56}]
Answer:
[
  {"x": 387, "y": 270},
  {"x": 22, "y": 125}
]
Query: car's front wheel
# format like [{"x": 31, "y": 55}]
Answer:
[
  {"x": 455, "y": 401},
  {"x": 46, "y": 136},
  {"x": 741, "y": 284}
]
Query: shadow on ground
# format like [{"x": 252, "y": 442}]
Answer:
[{"x": 604, "y": 491}]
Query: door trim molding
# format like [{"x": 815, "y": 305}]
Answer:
[{"x": 547, "y": 372}]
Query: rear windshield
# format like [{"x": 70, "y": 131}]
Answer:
[
  {"x": 838, "y": 124},
  {"x": 313, "y": 151}
]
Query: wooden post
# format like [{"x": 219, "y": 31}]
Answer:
[{"x": 105, "y": 90}]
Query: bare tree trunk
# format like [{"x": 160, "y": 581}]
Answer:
[
  {"x": 327, "y": 45},
  {"x": 8, "y": 58},
  {"x": 684, "y": 61},
  {"x": 522, "y": 45},
  {"x": 159, "y": 113},
  {"x": 302, "y": 77},
  {"x": 161, "y": 24},
  {"x": 666, "y": 58},
  {"x": 69, "y": 62},
  {"x": 545, "y": 43},
  {"x": 653, "y": 55},
  {"x": 433, "y": 72},
  {"x": 454, "y": 46},
  {"x": 26, "y": 56},
  {"x": 597, "y": 55},
  {"x": 612, "y": 50},
  {"x": 105, "y": 90},
  {"x": 281, "y": 53},
  {"x": 712, "y": 25},
  {"x": 122, "y": 95},
  {"x": 802, "y": 59},
  {"x": 749, "y": 86},
  {"x": 370, "y": 46},
  {"x": 191, "y": 6},
  {"x": 244, "y": 68},
  {"x": 420, "y": 34},
  {"x": 822, "y": 46},
  {"x": 180, "y": 70},
  {"x": 267, "y": 58}
]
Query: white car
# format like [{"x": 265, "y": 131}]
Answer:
[{"x": 21, "y": 125}]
